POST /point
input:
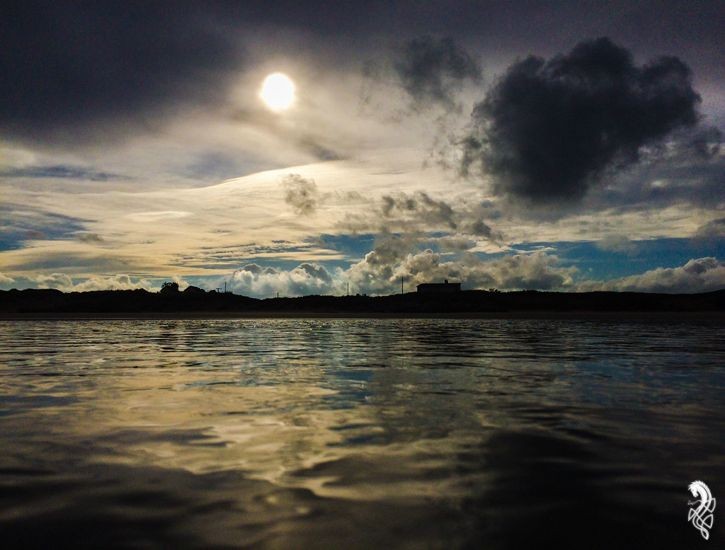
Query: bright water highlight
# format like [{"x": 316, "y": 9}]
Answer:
[{"x": 359, "y": 433}]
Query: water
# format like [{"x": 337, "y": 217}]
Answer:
[{"x": 359, "y": 433}]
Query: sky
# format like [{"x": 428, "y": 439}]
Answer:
[{"x": 567, "y": 146}]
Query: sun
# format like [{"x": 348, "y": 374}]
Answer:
[{"x": 278, "y": 92}]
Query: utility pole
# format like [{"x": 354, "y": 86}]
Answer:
[
  {"x": 401, "y": 285},
  {"x": 225, "y": 287},
  {"x": 348, "y": 289}
]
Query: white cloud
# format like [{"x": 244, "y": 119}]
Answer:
[
  {"x": 180, "y": 281},
  {"x": 64, "y": 282},
  {"x": 381, "y": 270},
  {"x": 712, "y": 230},
  {"x": 266, "y": 282},
  {"x": 156, "y": 233},
  {"x": 697, "y": 275},
  {"x": 163, "y": 216}
]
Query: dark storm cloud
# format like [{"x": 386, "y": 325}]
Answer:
[
  {"x": 549, "y": 129},
  {"x": 707, "y": 142},
  {"x": 301, "y": 194},
  {"x": 432, "y": 70},
  {"x": 68, "y": 67},
  {"x": 680, "y": 174}
]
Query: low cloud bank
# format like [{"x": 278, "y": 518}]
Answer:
[
  {"x": 697, "y": 275},
  {"x": 381, "y": 270},
  {"x": 264, "y": 282},
  {"x": 66, "y": 283},
  {"x": 380, "y": 273}
]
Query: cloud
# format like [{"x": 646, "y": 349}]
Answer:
[
  {"x": 87, "y": 71},
  {"x": 199, "y": 232},
  {"x": 421, "y": 206},
  {"x": 432, "y": 70},
  {"x": 91, "y": 238},
  {"x": 418, "y": 212},
  {"x": 183, "y": 284},
  {"x": 377, "y": 271},
  {"x": 549, "y": 129},
  {"x": 526, "y": 271},
  {"x": 59, "y": 171},
  {"x": 114, "y": 282},
  {"x": 301, "y": 194},
  {"x": 481, "y": 229},
  {"x": 266, "y": 282},
  {"x": 707, "y": 141},
  {"x": 670, "y": 173},
  {"x": 66, "y": 283},
  {"x": 381, "y": 269},
  {"x": 314, "y": 139},
  {"x": 5, "y": 280},
  {"x": 454, "y": 243},
  {"x": 697, "y": 275},
  {"x": 712, "y": 230},
  {"x": 22, "y": 223}
]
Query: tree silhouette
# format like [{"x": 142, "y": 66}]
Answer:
[{"x": 169, "y": 288}]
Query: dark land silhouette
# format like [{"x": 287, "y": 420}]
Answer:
[{"x": 195, "y": 301}]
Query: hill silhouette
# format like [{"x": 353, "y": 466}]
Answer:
[{"x": 195, "y": 300}]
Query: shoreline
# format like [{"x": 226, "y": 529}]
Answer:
[{"x": 216, "y": 315}]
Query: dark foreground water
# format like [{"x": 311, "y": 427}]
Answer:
[{"x": 359, "y": 433}]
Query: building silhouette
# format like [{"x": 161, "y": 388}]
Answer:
[{"x": 438, "y": 288}]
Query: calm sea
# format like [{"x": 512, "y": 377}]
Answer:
[{"x": 359, "y": 433}]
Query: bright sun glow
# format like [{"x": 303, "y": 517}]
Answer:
[{"x": 278, "y": 92}]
